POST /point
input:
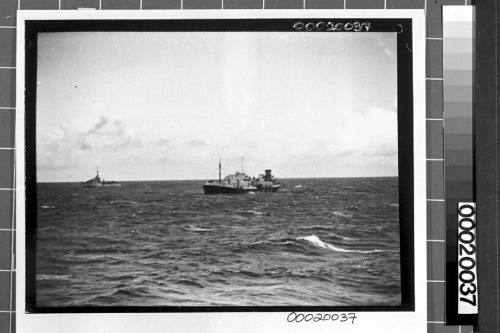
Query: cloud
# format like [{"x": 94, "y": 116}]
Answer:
[
  {"x": 105, "y": 128},
  {"x": 100, "y": 124},
  {"x": 84, "y": 146},
  {"x": 196, "y": 143},
  {"x": 105, "y": 134},
  {"x": 162, "y": 142},
  {"x": 125, "y": 142},
  {"x": 70, "y": 148}
]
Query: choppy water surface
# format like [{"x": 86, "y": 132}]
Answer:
[{"x": 314, "y": 242}]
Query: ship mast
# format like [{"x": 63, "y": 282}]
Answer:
[
  {"x": 219, "y": 170},
  {"x": 242, "y": 168}
]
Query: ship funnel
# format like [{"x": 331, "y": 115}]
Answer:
[
  {"x": 220, "y": 166},
  {"x": 268, "y": 174}
]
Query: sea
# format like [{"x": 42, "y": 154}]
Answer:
[{"x": 315, "y": 242}]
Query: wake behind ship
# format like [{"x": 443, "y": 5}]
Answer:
[
  {"x": 239, "y": 183},
  {"x": 98, "y": 182}
]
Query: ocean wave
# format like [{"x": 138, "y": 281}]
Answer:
[
  {"x": 130, "y": 292},
  {"x": 119, "y": 294},
  {"x": 254, "y": 212},
  {"x": 128, "y": 203},
  {"x": 316, "y": 241},
  {"x": 284, "y": 241},
  {"x": 249, "y": 212},
  {"x": 326, "y": 228},
  {"x": 345, "y": 215},
  {"x": 343, "y": 237},
  {"x": 247, "y": 273},
  {"x": 52, "y": 277},
  {"x": 195, "y": 228},
  {"x": 189, "y": 283},
  {"x": 265, "y": 245}
]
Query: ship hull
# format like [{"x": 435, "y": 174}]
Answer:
[
  {"x": 101, "y": 185},
  {"x": 98, "y": 182},
  {"x": 269, "y": 189},
  {"x": 221, "y": 189}
]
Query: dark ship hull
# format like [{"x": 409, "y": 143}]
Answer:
[
  {"x": 272, "y": 188},
  {"x": 114, "y": 184},
  {"x": 224, "y": 189}
]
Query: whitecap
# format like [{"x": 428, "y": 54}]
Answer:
[
  {"x": 194, "y": 228},
  {"x": 255, "y": 212},
  {"x": 52, "y": 277},
  {"x": 316, "y": 241},
  {"x": 343, "y": 237},
  {"x": 285, "y": 242},
  {"x": 47, "y": 207},
  {"x": 341, "y": 214}
]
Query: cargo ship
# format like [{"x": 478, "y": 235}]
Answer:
[
  {"x": 240, "y": 182},
  {"x": 98, "y": 182}
]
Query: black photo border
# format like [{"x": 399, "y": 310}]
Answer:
[
  {"x": 403, "y": 28},
  {"x": 486, "y": 97}
]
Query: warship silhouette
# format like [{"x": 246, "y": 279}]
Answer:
[{"x": 98, "y": 182}]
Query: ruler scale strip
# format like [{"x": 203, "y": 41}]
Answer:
[{"x": 458, "y": 81}]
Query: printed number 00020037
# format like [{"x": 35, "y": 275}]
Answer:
[
  {"x": 467, "y": 254},
  {"x": 317, "y": 317}
]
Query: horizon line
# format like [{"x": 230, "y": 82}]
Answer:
[{"x": 206, "y": 179}]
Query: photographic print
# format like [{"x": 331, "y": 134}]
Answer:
[{"x": 220, "y": 168}]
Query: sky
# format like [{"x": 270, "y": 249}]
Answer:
[{"x": 168, "y": 105}]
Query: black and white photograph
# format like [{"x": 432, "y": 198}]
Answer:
[{"x": 221, "y": 169}]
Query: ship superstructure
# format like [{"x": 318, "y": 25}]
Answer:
[
  {"x": 267, "y": 182},
  {"x": 98, "y": 182}
]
